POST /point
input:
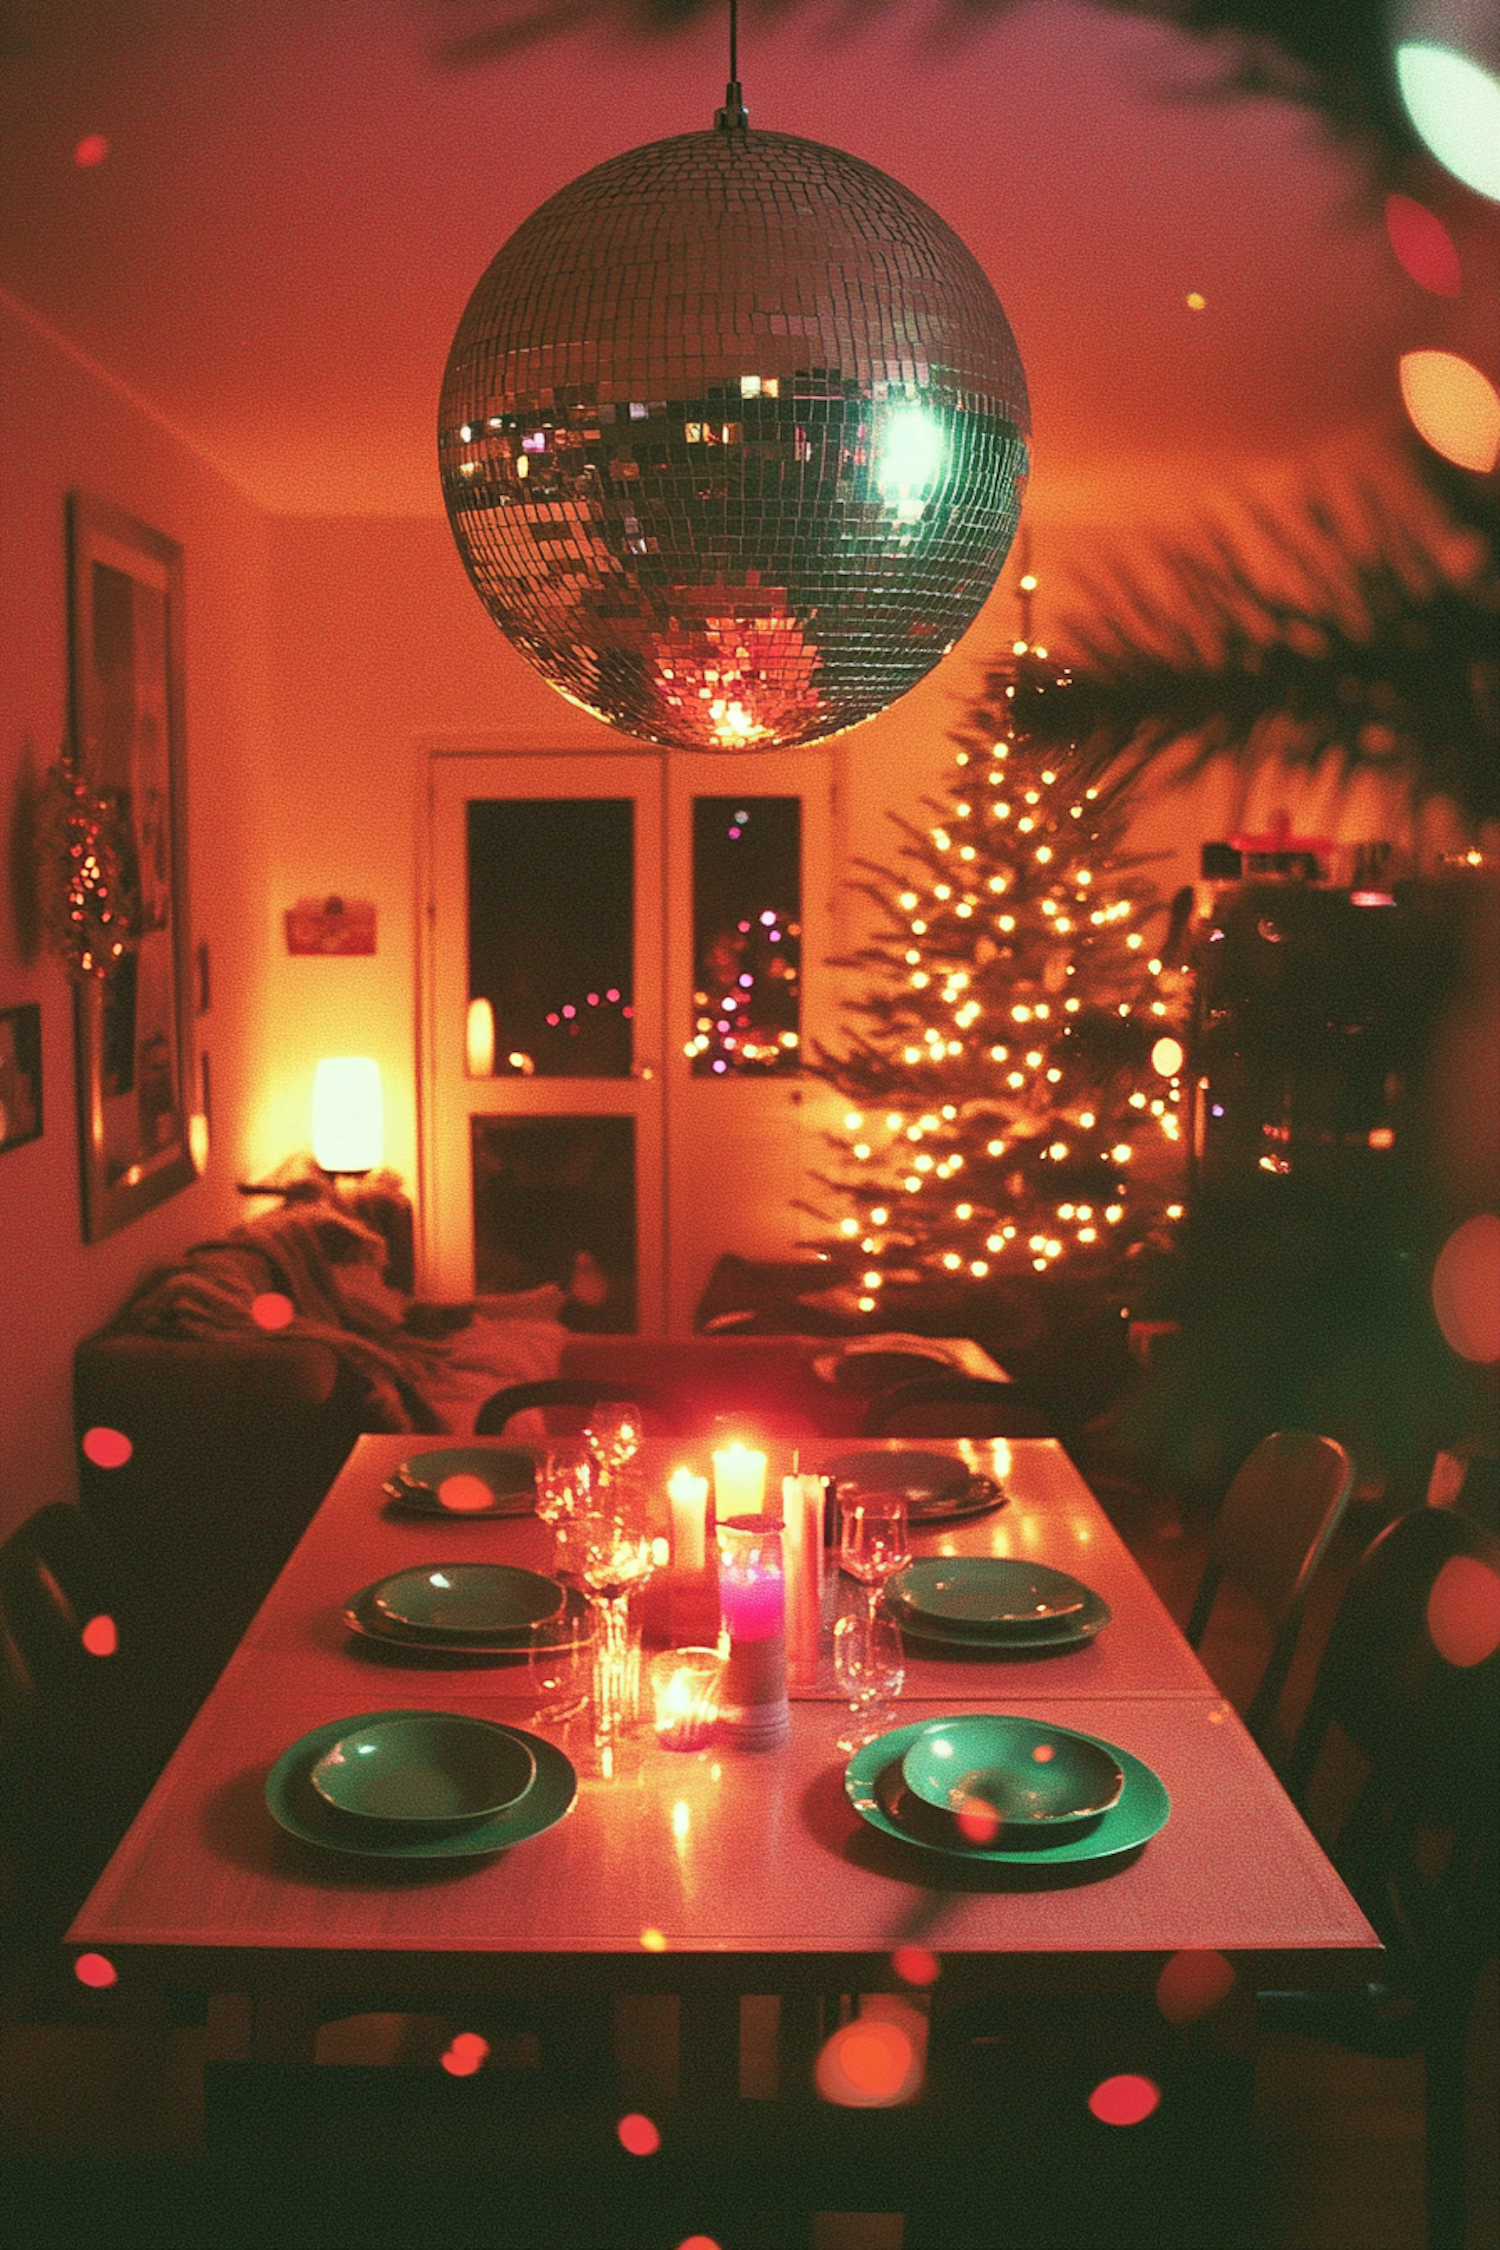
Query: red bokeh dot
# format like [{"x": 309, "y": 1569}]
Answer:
[
  {"x": 466, "y": 2053},
  {"x": 638, "y": 2136},
  {"x": 913, "y": 1964},
  {"x": 867, "y": 2064},
  {"x": 1044, "y": 1753},
  {"x": 1463, "y": 1611},
  {"x": 698, "y": 2242},
  {"x": 976, "y": 1821},
  {"x": 465, "y": 1494},
  {"x": 93, "y": 1970},
  {"x": 1192, "y": 1984},
  {"x": 1423, "y": 246},
  {"x": 91, "y": 150},
  {"x": 100, "y": 1637},
  {"x": 1466, "y": 1288},
  {"x": 1124, "y": 2100},
  {"x": 272, "y": 1310},
  {"x": 106, "y": 1448}
]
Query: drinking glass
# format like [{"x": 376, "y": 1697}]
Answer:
[
  {"x": 616, "y": 1553},
  {"x": 874, "y": 1542},
  {"x": 565, "y": 1481},
  {"x": 870, "y": 1668},
  {"x": 613, "y": 1433}
]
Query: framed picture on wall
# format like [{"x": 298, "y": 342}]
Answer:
[
  {"x": 20, "y": 1075},
  {"x": 132, "y": 1025}
]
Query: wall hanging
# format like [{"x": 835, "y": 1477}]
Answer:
[
  {"x": 733, "y": 438},
  {"x": 115, "y": 827}
]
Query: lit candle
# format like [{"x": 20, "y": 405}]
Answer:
[
  {"x": 753, "y": 1711},
  {"x": 689, "y": 1497},
  {"x": 739, "y": 1480},
  {"x": 685, "y": 1692}
]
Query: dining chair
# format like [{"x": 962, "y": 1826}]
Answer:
[
  {"x": 82, "y": 1736},
  {"x": 1275, "y": 1524},
  {"x": 955, "y": 1406},
  {"x": 565, "y": 1401},
  {"x": 1411, "y": 1677}
]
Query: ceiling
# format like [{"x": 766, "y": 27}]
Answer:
[{"x": 299, "y": 196}]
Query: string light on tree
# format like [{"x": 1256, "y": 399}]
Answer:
[{"x": 1014, "y": 1089}]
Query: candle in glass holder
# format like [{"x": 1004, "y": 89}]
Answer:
[
  {"x": 685, "y": 1696},
  {"x": 689, "y": 1497},
  {"x": 753, "y": 1710},
  {"x": 739, "y": 1480}
]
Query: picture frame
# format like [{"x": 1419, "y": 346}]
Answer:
[
  {"x": 20, "y": 1075},
  {"x": 132, "y": 1027}
]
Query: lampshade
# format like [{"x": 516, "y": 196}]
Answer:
[
  {"x": 733, "y": 437},
  {"x": 348, "y": 1114}
]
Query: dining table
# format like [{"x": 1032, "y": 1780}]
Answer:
[{"x": 715, "y": 1872}]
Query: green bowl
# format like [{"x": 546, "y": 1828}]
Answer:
[
  {"x": 433, "y": 1768},
  {"x": 1032, "y": 1777}
]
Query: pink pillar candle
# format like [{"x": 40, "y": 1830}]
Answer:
[{"x": 753, "y": 1709}]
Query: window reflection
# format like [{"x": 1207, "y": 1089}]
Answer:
[{"x": 747, "y": 936}]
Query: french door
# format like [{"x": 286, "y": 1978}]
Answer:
[{"x": 623, "y": 959}]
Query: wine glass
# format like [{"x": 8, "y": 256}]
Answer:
[
  {"x": 613, "y": 1434},
  {"x": 870, "y": 1667},
  {"x": 874, "y": 1542},
  {"x": 565, "y": 1482},
  {"x": 616, "y": 1553}
]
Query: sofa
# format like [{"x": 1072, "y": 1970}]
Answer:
[{"x": 240, "y": 1378}]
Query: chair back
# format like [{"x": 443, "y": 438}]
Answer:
[
  {"x": 1279, "y": 1515},
  {"x": 1411, "y": 1672},
  {"x": 565, "y": 1402},
  {"x": 954, "y": 1406}
]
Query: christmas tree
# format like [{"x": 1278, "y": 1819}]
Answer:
[{"x": 1013, "y": 1079}]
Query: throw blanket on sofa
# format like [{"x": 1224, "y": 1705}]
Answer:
[{"x": 328, "y": 1265}]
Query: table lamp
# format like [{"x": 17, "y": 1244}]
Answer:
[{"x": 348, "y": 1117}]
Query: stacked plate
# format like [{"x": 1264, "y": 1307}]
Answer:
[
  {"x": 990, "y": 1605},
  {"x": 449, "y": 1610},
  {"x": 936, "y": 1487},
  {"x": 1007, "y": 1790},
  {"x": 465, "y": 1480},
  {"x": 419, "y": 1785}
]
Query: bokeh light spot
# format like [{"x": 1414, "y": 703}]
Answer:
[
  {"x": 95, "y": 1971},
  {"x": 91, "y": 150},
  {"x": 976, "y": 1821},
  {"x": 698, "y": 2242},
  {"x": 106, "y": 1448},
  {"x": 1466, "y": 1288},
  {"x": 653, "y": 1941},
  {"x": 1044, "y": 1753},
  {"x": 1463, "y": 1611},
  {"x": 100, "y": 1637},
  {"x": 1167, "y": 1057},
  {"x": 638, "y": 2136},
  {"x": 913, "y": 1964},
  {"x": 1124, "y": 2100},
  {"x": 1423, "y": 246},
  {"x": 1455, "y": 105},
  {"x": 271, "y": 1310},
  {"x": 867, "y": 2064},
  {"x": 1195, "y": 300},
  {"x": 465, "y": 1494},
  {"x": 1453, "y": 407},
  {"x": 1192, "y": 1984},
  {"x": 466, "y": 2052}
]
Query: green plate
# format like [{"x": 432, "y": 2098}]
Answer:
[
  {"x": 1042, "y": 1779},
  {"x": 873, "y": 1785},
  {"x": 986, "y": 1593},
  {"x": 573, "y": 1627},
  {"x": 296, "y": 1806},
  {"x": 1005, "y": 1641},
  {"x": 467, "y": 1600},
  {"x": 441, "y": 1769},
  {"x": 936, "y": 1487},
  {"x": 509, "y": 1474}
]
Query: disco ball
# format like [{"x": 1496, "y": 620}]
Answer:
[{"x": 733, "y": 438}]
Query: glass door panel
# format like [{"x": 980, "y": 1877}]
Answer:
[{"x": 542, "y": 1031}]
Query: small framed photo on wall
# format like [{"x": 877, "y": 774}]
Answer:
[
  {"x": 133, "y": 1028},
  {"x": 20, "y": 1075}
]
